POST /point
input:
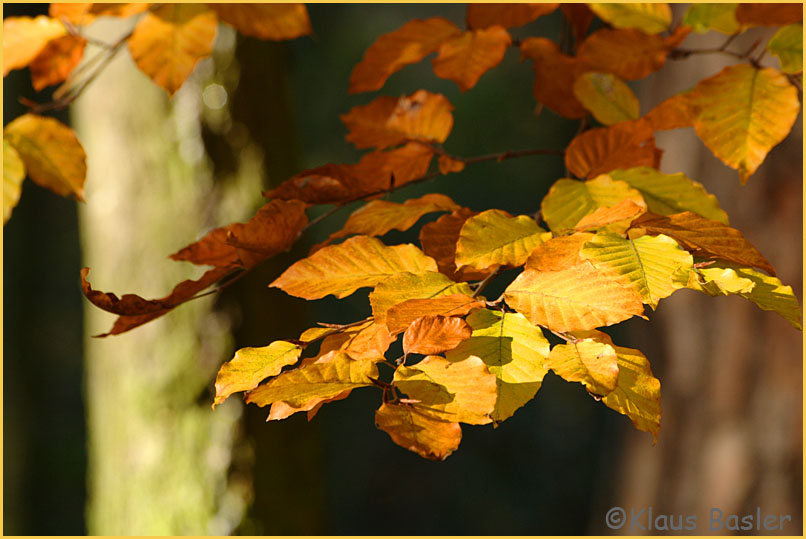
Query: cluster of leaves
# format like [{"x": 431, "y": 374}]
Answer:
[{"x": 617, "y": 236}]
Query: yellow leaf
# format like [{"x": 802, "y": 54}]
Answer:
[
  {"x": 589, "y": 361},
  {"x": 638, "y": 393},
  {"x": 513, "y": 350},
  {"x": 389, "y": 121},
  {"x": 399, "y": 317},
  {"x": 602, "y": 149},
  {"x": 439, "y": 241},
  {"x": 616, "y": 219},
  {"x": 250, "y": 366},
  {"x": 714, "y": 281},
  {"x": 51, "y": 152},
  {"x": 466, "y": 57},
  {"x": 649, "y": 18},
  {"x": 666, "y": 194},
  {"x": 494, "y": 238},
  {"x": 577, "y": 298},
  {"x": 505, "y": 15},
  {"x": 396, "y": 289},
  {"x": 463, "y": 391},
  {"x": 318, "y": 380},
  {"x": 672, "y": 113},
  {"x": 369, "y": 341},
  {"x": 391, "y": 52},
  {"x": 13, "y": 176},
  {"x": 434, "y": 334},
  {"x": 266, "y": 21},
  {"x": 568, "y": 201},
  {"x": 412, "y": 430},
  {"x": 707, "y": 16},
  {"x": 344, "y": 268},
  {"x": 25, "y": 37},
  {"x": 646, "y": 264},
  {"x": 787, "y": 45},
  {"x": 606, "y": 97},
  {"x": 742, "y": 112},
  {"x": 169, "y": 41},
  {"x": 558, "y": 253}
]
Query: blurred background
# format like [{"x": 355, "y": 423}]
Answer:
[{"x": 115, "y": 436}]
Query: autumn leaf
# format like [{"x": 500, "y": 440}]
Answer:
[
  {"x": 51, "y": 152},
  {"x": 368, "y": 341},
  {"x": 577, "y": 298},
  {"x": 606, "y": 97},
  {"x": 399, "y": 317},
  {"x": 55, "y": 62},
  {"x": 411, "y": 429},
  {"x": 266, "y": 21},
  {"x": 319, "y": 380},
  {"x": 600, "y": 150},
  {"x": 705, "y": 238},
  {"x": 463, "y": 391},
  {"x": 117, "y": 10},
  {"x": 646, "y": 264},
  {"x": 250, "y": 366},
  {"x": 638, "y": 393},
  {"x": 628, "y": 54},
  {"x": 448, "y": 164},
  {"x": 568, "y": 201},
  {"x": 494, "y": 238},
  {"x": 25, "y": 37},
  {"x": 505, "y": 15},
  {"x": 389, "y": 121},
  {"x": 590, "y": 361},
  {"x": 787, "y": 45},
  {"x": 439, "y": 240},
  {"x": 434, "y": 334},
  {"x": 742, "y": 112},
  {"x": 711, "y": 16},
  {"x": 466, "y": 57},
  {"x": 558, "y": 253},
  {"x": 555, "y": 74},
  {"x": 344, "y": 268},
  {"x": 769, "y": 14},
  {"x": 169, "y": 41},
  {"x": 396, "y": 289},
  {"x": 391, "y": 52},
  {"x": 616, "y": 219},
  {"x": 580, "y": 17},
  {"x": 75, "y": 13},
  {"x": 13, "y": 176},
  {"x": 513, "y": 350},
  {"x": 649, "y": 18},
  {"x": 672, "y": 113}
]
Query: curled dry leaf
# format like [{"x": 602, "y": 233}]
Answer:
[
  {"x": 434, "y": 334},
  {"x": 466, "y": 57},
  {"x": 411, "y": 429},
  {"x": 505, "y": 15},
  {"x": 266, "y": 21}
]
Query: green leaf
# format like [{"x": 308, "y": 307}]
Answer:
[
  {"x": 513, "y": 350},
  {"x": 568, "y": 201},
  {"x": 494, "y": 238},
  {"x": 250, "y": 366},
  {"x": 646, "y": 264},
  {"x": 649, "y": 18},
  {"x": 607, "y": 97},
  {"x": 708, "y": 16},
  {"x": 787, "y": 45},
  {"x": 13, "y": 175}
]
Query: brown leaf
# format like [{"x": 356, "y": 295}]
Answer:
[
  {"x": 672, "y": 113},
  {"x": 769, "y": 14},
  {"x": 705, "y": 237},
  {"x": 391, "y": 52},
  {"x": 506, "y": 15},
  {"x": 558, "y": 253},
  {"x": 466, "y": 57},
  {"x": 389, "y": 121},
  {"x": 399, "y": 317},
  {"x": 604, "y": 216},
  {"x": 628, "y": 53},
  {"x": 600, "y": 150},
  {"x": 55, "y": 62},
  {"x": 266, "y": 21},
  {"x": 434, "y": 334},
  {"x": 369, "y": 341},
  {"x": 439, "y": 240},
  {"x": 580, "y": 16},
  {"x": 412, "y": 430},
  {"x": 555, "y": 74},
  {"x": 448, "y": 165}
]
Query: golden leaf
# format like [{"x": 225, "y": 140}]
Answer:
[
  {"x": 434, "y": 334},
  {"x": 266, "y": 21},
  {"x": 649, "y": 18},
  {"x": 13, "y": 176},
  {"x": 558, "y": 253},
  {"x": 600, "y": 150},
  {"x": 568, "y": 201},
  {"x": 466, "y": 57},
  {"x": 412, "y": 430},
  {"x": 25, "y": 37},
  {"x": 439, "y": 241},
  {"x": 590, "y": 361},
  {"x": 606, "y": 97},
  {"x": 494, "y": 238},
  {"x": 396, "y": 289},
  {"x": 250, "y": 366},
  {"x": 399, "y": 317},
  {"x": 711, "y": 16},
  {"x": 672, "y": 113},
  {"x": 616, "y": 219},
  {"x": 638, "y": 393}
]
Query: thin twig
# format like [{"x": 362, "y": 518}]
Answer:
[{"x": 483, "y": 284}]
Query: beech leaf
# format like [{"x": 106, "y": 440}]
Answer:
[
  {"x": 439, "y": 240},
  {"x": 505, "y": 15},
  {"x": 590, "y": 361},
  {"x": 466, "y": 57},
  {"x": 250, "y": 366},
  {"x": 558, "y": 253},
  {"x": 401, "y": 287},
  {"x": 568, "y": 201},
  {"x": 649, "y": 18},
  {"x": 616, "y": 219},
  {"x": 56, "y": 60},
  {"x": 638, "y": 393},
  {"x": 399, "y": 317},
  {"x": 555, "y": 74},
  {"x": 369, "y": 341},
  {"x": 629, "y": 54},
  {"x": 769, "y": 14},
  {"x": 13, "y": 176},
  {"x": 600, "y": 150},
  {"x": 434, "y": 334},
  {"x": 710, "y": 16},
  {"x": 266, "y": 21},
  {"x": 606, "y": 97},
  {"x": 494, "y": 238},
  {"x": 25, "y": 37},
  {"x": 411, "y": 429},
  {"x": 787, "y": 45}
]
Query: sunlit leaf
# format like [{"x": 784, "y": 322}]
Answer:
[
  {"x": 169, "y": 41},
  {"x": 600, "y": 150},
  {"x": 707, "y": 16},
  {"x": 448, "y": 165},
  {"x": 787, "y": 45},
  {"x": 434, "y": 334},
  {"x": 466, "y": 57},
  {"x": 577, "y": 298},
  {"x": 568, "y": 201},
  {"x": 558, "y": 253},
  {"x": 250, "y": 366},
  {"x": 369, "y": 341},
  {"x": 55, "y": 62},
  {"x": 616, "y": 219},
  {"x": 13, "y": 176},
  {"x": 25, "y": 37},
  {"x": 494, "y": 238},
  {"x": 628, "y": 54},
  {"x": 344, "y": 268},
  {"x": 439, "y": 240},
  {"x": 266, "y": 21},
  {"x": 672, "y": 113},
  {"x": 606, "y": 97},
  {"x": 590, "y": 361},
  {"x": 505, "y": 15},
  {"x": 513, "y": 350},
  {"x": 742, "y": 112},
  {"x": 391, "y": 52},
  {"x": 51, "y": 152},
  {"x": 555, "y": 74},
  {"x": 769, "y": 14},
  {"x": 388, "y": 121},
  {"x": 411, "y": 429},
  {"x": 638, "y": 393},
  {"x": 649, "y": 18},
  {"x": 404, "y": 286},
  {"x": 399, "y": 317}
]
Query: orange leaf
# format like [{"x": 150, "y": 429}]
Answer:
[
  {"x": 439, "y": 240},
  {"x": 25, "y": 37},
  {"x": 391, "y": 52},
  {"x": 448, "y": 165},
  {"x": 628, "y": 53},
  {"x": 604, "y": 216},
  {"x": 466, "y": 57},
  {"x": 399, "y": 317},
  {"x": 266, "y": 21},
  {"x": 369, "y": 341},
  {"x": 167, "y": 42},
  {"x": 624, "y": 145},
  {"x": 558, "y": 253},
  {"x": 555, "y": 74},
  {"x": 389, "y": 121},
  {"x": 417, "y": 432},
  {"x": 76, "y": 13},
  {"x": 117, "y": 10},
  {"x": 433, "y": 334},
  {"x": 506, "y": 15},
  {"x": 672, "y": 113},
  {"x": 580, "y": 16},
  {"x": 771, "y": 14},
  {"x": 55, "y": 62},
  {"x": 706, "y": 238}
]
